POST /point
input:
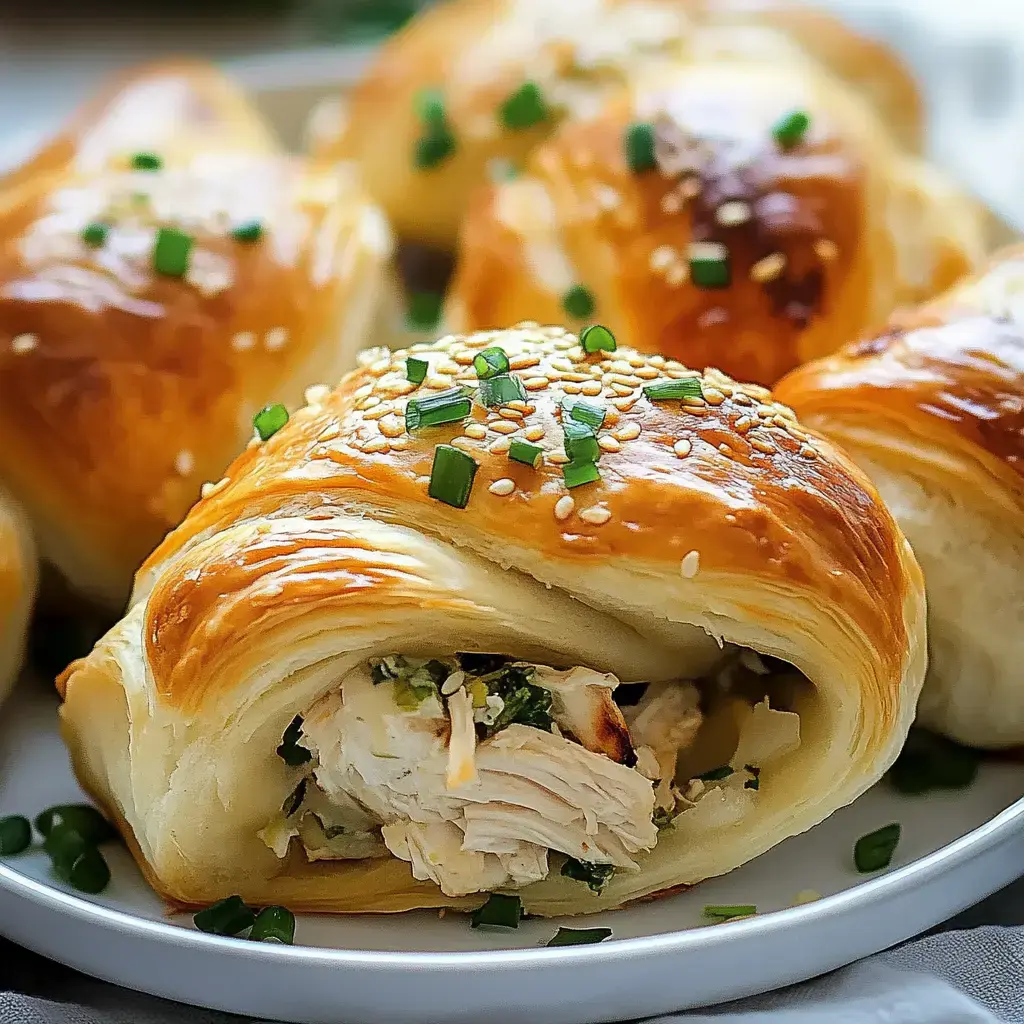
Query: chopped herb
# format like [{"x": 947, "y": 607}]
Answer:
[
  {"x": 667, "y": 390},
  {"x": 273, "y": 924},
  {"x": 524, "y": 108},
  {"x": 83, "y": 818},
  {"x": 430, "y": 109},
  {"x": 790, "y": 130},
  {"x": 94, "y": 235},
  {"x": 499, "y": 911},
  {"x": 523, "y": 703},
  {"x": 438, "y": 141},
  {"x": 639, "y": 145},
  {"x": 423, "y": 312},
  {"x": 289, "y": 750},
  {"x": 596, "y": 876},
  {"x": 526, "y": 453},
  {"x": 582, "y": 411},
  {"x": 64, "y": 845},
  {"x": 295, "y": 798},
  {"x": 481, "y": 664},
  {"x": 500, "y": 390},
  {"x": 580, "y": 441},
  {"x": 722, "y": 772},
  {"x": 146, "y": 162},
  {"x": 248, "y": 231},
  {"x": 491, "y": 362},
  {"x": 597, "y": 338},
  {"x": 578, "y": 302},
  {"x": 436, "y": 409},
  {"x": 88, "y": 872},
  {"x": 579, "y": 936},
  {"x": 663, "y": 818},
  {"x": 413, "y": 688},
  {"x": 451, "y": 476},
  {"x": 171, "y": 252},
  {"x": 434, "y": 149},
  {"x": 226, "y": 917},
  {"x": 15, "y": 835},
  {"x": 269, "y": 420},
  {"x": 709, "y": 265},
  {"x": 393, "y": 666},
  {"x": 575, "y": 474},
  {"x": 727, "y": 912},
  {"x": 874, "y": 851},
  {"x": 755, "y": 781},
  {"x": 416, "y": 370},
  {"x": 929, "y": 761}
]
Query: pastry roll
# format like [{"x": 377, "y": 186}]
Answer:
[
  {"x": 471, "y": 86},
  {"x": 505, "y": 628},
  {"x": 933, "y": 410},
  {"x": 749, "y": 216},
  {"x": 149, "y": 308},
  {"x": 17, "y": 588}
]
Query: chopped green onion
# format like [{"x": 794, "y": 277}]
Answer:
[
  {"x": 248, "y": 231},
  {"x": 146, "y": 162},
  {"x": 663, "y": 818},
  {"x": 424, "y": 310},
  {"x": 597, "y": 338},
  {"x": 88, "y": 872},
  {"x": 928, "y": 762},
  {"x": 583, "y": 411},
  {"x": 754, "y": 782},
  {"x": 580, "y": 441},
  {"x": 171, "y": 252},
  {"x": 414, "y": 687},
  {"x": 416, "y": 370},
  {"x": 716, "y": 774},
  {"x": 295, "y": 798},
  {"x": 430, "y": 109},
  {"x": 94, "y": 235},
  {"x": 667, "y": 390},
  {"x": 524, "y": 108},
  {"x": 596, "y": 876},
  {"x": 639, "y": 143},
  {"x": 393, "y": 666},
  {"x": 726, "y": 912},
  {"x": 522, "y": 702},
  {"x": 433, "y": 149},
  {"x": 226, "y": 917},
  {"x": 790, "y": 130},
  {"x": 578, "y": 302},
  {"x": 491, "y": 362},
  {"x": 448, "y": 406},
  {"x": 269, "y": 420},
  {"x": 575, "y": 474},
  {"x": 499, "y": 911},
  {"x": 874, "y": 851},
  {"x": 273, "y": 924},
  {"x": 15, "y": 835},
  {"x": 579, "y": 936},
  {"x": 289, "y": 750},
  {"x": 496, "y": 391},
  {"x": 709, "y": 264},
  {"x": 526, "y": 453},
  {"x": 64, "y": 845},
  {"x": 451, "y": 476},
  {"x": 83, "y": 818}
]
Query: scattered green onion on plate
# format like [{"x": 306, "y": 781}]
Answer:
[
  {"x": 229, "y": 916},
  {"x": 875, "y": 850},
  {"x": 500, "y": 911},
  {"x": 578, "y": 936},
  {"x": 15, "y": 835}
]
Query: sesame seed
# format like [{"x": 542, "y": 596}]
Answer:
[
  {"x": 463, "y": 443},
  {"x": 399, "y": 444},
  {"x": 596, "y": 516},
  {"x": 556, "y": 457},
  {"x": 374, "y": 446},
  {"x": 571, "y": 389},
  {"x": 562, "y": 364},
  {"x": 207, "y": 489},
  {"x": 743, "y": 424},
  {"x": 808, "y": 452},
  {"x": 275, "y": 338},
  {"x": 370, "y": 403},
  {"x": 646, "y": 373},
  {"x": 662, "y": 258},
  {"x": 437, "y": 382},
  {"x": 464, "y": 358},
  {"x": 522, "y": 362},
  {"x": 378, "y": 412},
  {"x": 725, "y": 449},
  {"x": 500, "y": 446},
  {"x": 732, "y": 213},
  {"x": 564, "y": 507},
  {"x": 627, "y": 432},
  {"x": 624, "y": 404},
  {"x": 713, "y": 396},
  {"x": 607, "y": 198},
  {"x": 682, "y": 448},
  {"x": 392, "y": 426},
  {"x": 690, "y": 564},
  {"x": 379, "y": 367},
  {"x": 504, "y": 427},
  {"x": 671, "y": 202},
  {"x": 243, "y": 341},
  {"x": 621, "y": 390},
  {"x": 591, "y": 388},
  {"x": 475, "y": 430},
  {"x": 509, "y": 413},
  {"x": 398, "y": 386},
  {"x": 761, "y": 446},
  {"x": 768, "y": 268},
  {"x": 690, "y": 188},
  {"x": 316, "y": 394},
  {"x": 534, "y": 433},
  {"x": 184, "y": 462},
  {"x": 676, "y": 275},
  {"x": 628, "y": 380},
  {"x": 502, "y": 487},
  {"x": 535, "y": 383},
  {"x": 520, "y": 406},
  {"x": 24, "y": 343},
  {"x": 826, "y": 249},
  {"x": 330, "y": 433},
  {"x": 609, "y": 443}
]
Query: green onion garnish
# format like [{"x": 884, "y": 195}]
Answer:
[
  {"x": 580, "y": 441},
  {"x": 434, "y": 149},
  {"x": 639, "y": 144},
  {"x": 146, "y": 162},
  {"x": 15, "y": 835},
  {"x": 578, "y": 936},
  {"x": 597, "y": 338},
  {"x": 667, "y": 390},
  {"x": 448, "y": 406},
  {"x": 874, "y": 851},
  {"x": 289, "y": 750},
  {"x": 88, "y": 872},
  {"x": 269, "y": 420},
  {"x": 249, "y": 231},
  {"x": 724, "y": 912},
  {"x": 500, "y": 390},
  {"x": 709, "y": 264},
  {"x": 499, "y": 911},
  {"x": 227, "y": 917},
  {"x": 94, "y": 235},
  {"x": 928, "y": 762},
  {"x": 574, "y": 474},
  {"x": 716, "y": 774},
  {"x": 83, "y": 818},
  {"x": 583, "y": 411},
  {"x": 790, "y": 130},
  {"x": 526, "y": 453},
  {"x": 578, "y": 302},
  {"x": 437, "y": 142},
  {"x": 491, "y": 362},
  {"x": 451, "y": 476},
  {"x": 424, "y": 310},
  {"x": 524, "y": 108},
  {"x": 171, "y": 252},
  {"x": 596, "y": 876},
  {"x": 663, "y": 818},
  {"x": 416, "y": 370},
  {"x": 430, "y": 109},
  {"x": 754, "y": 782},
  {"x": 273, "y": 924}
]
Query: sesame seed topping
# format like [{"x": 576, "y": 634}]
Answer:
[
  {"x": 682, "y": 448},
  {"x": 534, "y": 433},
  {"x": 504, "y": 427},
  {"x": 370, "y": 403},
  {"x": 377, "y": 412},
  {"x": 375, "y": 445},
  {"x": 571, "y": 389},
  {"x": 646, "y": 373},
  {"x": 208, "y": 489},
  {"x": 535, "y": 383},
  {"x": 275, "y": 338},
  {"x": 627, "y": 432},
  {"x": 523, "y": 362},
  {"x": 438, "y": 382},
  {"x": 520, "y": 406},
  {"x": 502, "y": 487},
  {"x": 392, "y": 426},
  {"x": 768, "y": 268},
  {"x": 733, "y": 213},
  {"x": 826, "y": 249},
  {"x": 690, "y": 564},
  {"x": 596, "y": 516},
  {"x": 316, "y": 394},
  {"x": 399, "y": 444},
  {"x": 713, "y": 396},
  {"x": 743, "y": 424},
  {"x": 508, "y": 413},
  {"x": 24, "y": 343},
  {"x": 500, "y": 446},
  {"x": 624, "y": 404},
  {"x": 676, "y": 275},
  {"x": 557, "y": 457},
  {"x": 609, "y": 443},
  {"x": 725, "y": 449},
  {"x": 761, "y": 445},
  {"x": 475, "y": 430},
  {"x": 808, "y": 452},
  {"x": 330, "y": 433},
  {"x": 662, "y": 258},
  {"x": 621, "y": 390},
  {"x": 184, "y": 462},
  {"x": 671, "y": 202},
  {"x": 243, "y": 341},
  {"x": 564, "y": 507},
  {"x": 591, "y": 388}
]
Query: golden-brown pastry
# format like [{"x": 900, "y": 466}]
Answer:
[
  {"x": 17, "y": 588},
  {"x": 933, "y": 410},
  {"x": 151, "y": 304},
  {"x": 747, "y": 215},
  {"x": 507, "y": 72},
  {"x": 379, "y": 666}
]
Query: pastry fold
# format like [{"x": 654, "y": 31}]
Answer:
[{"x": 338, "y": 692}]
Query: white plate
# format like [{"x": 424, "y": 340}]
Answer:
[{"x": 957, "y": 848}]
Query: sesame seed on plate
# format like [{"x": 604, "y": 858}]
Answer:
[
  {"x": 522, "y": 362},
  {"x": 628, "y": 431},
  {"x": 591, "y": 388},
  {"x": 535, "y": 383},
  {"x": 275, "y": 338},
  {"x": 502, "y": 487},
  {"x": 713, "y": 396},
  {"x": 609, "y": 443},
  {"x": 504, "y": 426},
  {"x": 508, "y": 413},
  {"x": 500, "y": 446},
  {"x": 768, "y": 268},
  {"x": 556, "y": 457},
  {"x": 392, "y": 426},
  {"x": 377, "y": 412},
  {"x": 316, "y": 394},
  {"x": 243, "y": 341},
  {"x": 760, "y": 445},
  {"x": 374, "y": 446},
  {"x": 596, "y": 516},
  {"x": 24, "y": 343},
  {"x": 564, "y": 507},
  {"x": 571, "y": 389},
  {"x": 184, "y": 462},
  {"x": 682, "y": 448},
  {"x": 662, "y": 258},
  {"x": 534, "y": 433},
  {"x": 475, "y": 430},
  {"x": 690, "y": 564}
]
